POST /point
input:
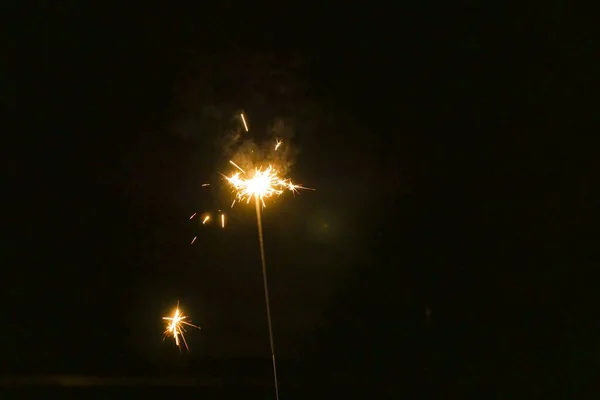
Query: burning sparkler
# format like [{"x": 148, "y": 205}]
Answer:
[
  {"x": 263, "y": 182},
  {"x": 175, "y": 327}
]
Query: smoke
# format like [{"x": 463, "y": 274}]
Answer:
[{"x": 273, "y": 146}]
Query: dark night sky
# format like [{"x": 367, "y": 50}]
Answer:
[{"x": 451, "y": 152}]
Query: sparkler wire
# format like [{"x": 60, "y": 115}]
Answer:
[{"x": 264, "y": 271}]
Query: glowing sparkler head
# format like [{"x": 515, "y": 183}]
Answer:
[
  {"x": 264, "y": 183},
  {"x": 175, "y": 327}
]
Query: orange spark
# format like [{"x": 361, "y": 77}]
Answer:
[
  {"x": 175, "y": 327},
  {"x": 244, "y": 120}
]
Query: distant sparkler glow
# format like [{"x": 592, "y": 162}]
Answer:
[{"x": 175, "y": 327}]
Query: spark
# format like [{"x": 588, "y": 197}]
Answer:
[
  {"x": 244, "y": 120},
  {"x": 206, "y": 184},
  {"x": 206, "y": 219},
  {"x": 264, "y": 183},
  {"x": 194, "y": 239},
  {"x": 222, "y": 220},
  {"x": 278, "y": 143},
  {"x": 237, "y": 166},
  {"x": 175, "y": 327},
  {"x": 193, "y": 215}
]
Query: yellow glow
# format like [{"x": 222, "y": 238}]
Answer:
[
  {"x": 263, "y": 183},
  {"x": 175, "y": 327}
]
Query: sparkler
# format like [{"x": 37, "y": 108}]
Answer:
[
  {"x": 175, "y": 327},
  {"x": 263, "y": 182}
]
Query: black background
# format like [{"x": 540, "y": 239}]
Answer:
[{"x": 451, "y": 149}]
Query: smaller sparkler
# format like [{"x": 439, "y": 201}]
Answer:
[{"x": 175, "y": 327}]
